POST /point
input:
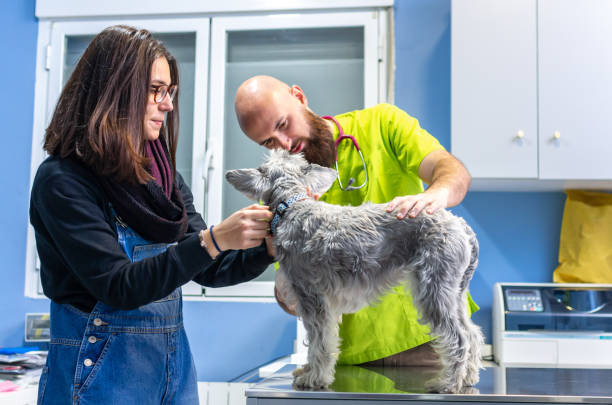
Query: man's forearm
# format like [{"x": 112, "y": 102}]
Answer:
[{"x": 449, "y": 174}]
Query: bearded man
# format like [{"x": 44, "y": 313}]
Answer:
[{"x": 388, "y": 161}]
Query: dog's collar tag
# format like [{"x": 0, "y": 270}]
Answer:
[{"x": 280, "y": 210}]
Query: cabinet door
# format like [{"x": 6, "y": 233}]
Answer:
[
  {"x": 493, "y": 87},
  {"x": 575, "y": 89}
]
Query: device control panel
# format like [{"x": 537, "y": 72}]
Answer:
[{"x": 524, "y": 299}]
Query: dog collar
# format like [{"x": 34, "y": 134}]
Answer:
[{"x": 280, "y": 210}]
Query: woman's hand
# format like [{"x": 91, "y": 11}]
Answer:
[{"x": 244, "y": 229}]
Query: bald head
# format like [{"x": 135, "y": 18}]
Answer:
[
  {"x": 254, "y": 95},
  {"x": 276, "y": 115}
]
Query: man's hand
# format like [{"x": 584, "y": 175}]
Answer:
[
  {"x": 448, "y": 183},
  {"x": 288, "y": 309},
  {"x": 310, "y": 194},
  {"x": 412, "y": 205}
]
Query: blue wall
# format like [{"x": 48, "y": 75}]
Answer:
[
  {"x": 18, "y": 34},
  {"x": 518, "y": 232}
]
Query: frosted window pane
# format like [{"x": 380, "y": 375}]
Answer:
[{"x": 292, "y": 44}]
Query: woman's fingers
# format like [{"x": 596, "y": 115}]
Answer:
[{"x": 245, "y": 228}]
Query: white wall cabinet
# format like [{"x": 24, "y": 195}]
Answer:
[
  {"x": 575, "y": 88},
  {"x": 530, "y": 93},
  {"x": 494, "y": 87}
]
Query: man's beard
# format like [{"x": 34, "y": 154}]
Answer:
[{"x": 320, "y": 147}]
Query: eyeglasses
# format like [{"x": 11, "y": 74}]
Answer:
[{"x": 160, "y": 92}]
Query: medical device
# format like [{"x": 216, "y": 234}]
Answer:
[{"x": 552, "y": 324}]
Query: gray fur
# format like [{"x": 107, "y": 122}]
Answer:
[{"x": 336, "y": 260}]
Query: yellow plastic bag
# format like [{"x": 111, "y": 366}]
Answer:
[{"x": 585, "y": 251}]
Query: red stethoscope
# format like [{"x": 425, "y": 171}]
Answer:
[{"x": 342, "y": 136}]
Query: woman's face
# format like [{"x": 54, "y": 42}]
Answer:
[{"x": 155, "y": 112}]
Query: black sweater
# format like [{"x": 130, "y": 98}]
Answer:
[{"x": 82, "y": 261}]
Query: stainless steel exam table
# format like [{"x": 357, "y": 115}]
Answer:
[{"x": 405, "y": 385}]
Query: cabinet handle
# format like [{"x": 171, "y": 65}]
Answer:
[
  {"x": 520, "y": 134},
  {"x": 556, "y": 135}
]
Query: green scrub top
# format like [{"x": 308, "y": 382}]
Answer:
[{"x": 393, "y": 146}]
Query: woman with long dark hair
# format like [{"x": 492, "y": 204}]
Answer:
[{"x": 117, "y": 233}]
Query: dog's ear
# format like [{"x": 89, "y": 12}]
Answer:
[
  {"x": 319, "y": 178},
  {"x": 249, "y": 182}
]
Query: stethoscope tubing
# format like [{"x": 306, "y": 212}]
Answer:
[{"x": 342, "y": 136}]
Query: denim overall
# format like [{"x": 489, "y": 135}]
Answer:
[{"x": 112, "y": 356}]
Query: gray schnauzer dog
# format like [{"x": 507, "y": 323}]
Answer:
[{"x": 336, "y": 260}]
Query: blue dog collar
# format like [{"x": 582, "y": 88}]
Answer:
[{"x": 280, "y": 210}]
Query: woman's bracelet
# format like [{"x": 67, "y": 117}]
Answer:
[
  {"x": 202, "y": 241},
  {"x": 212, "y": 236}
]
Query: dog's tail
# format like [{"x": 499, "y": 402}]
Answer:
[{"x": 469, "y": 271}]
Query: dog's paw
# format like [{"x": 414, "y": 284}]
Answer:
[
  {"x": 432, "y": 386},
  {"x": 469, "y": 391},
  {"x": 471, "y": 378},
  {"x": 309, "y": 380},
  {"x": 440, "y": 387},
  {"x": 301, "y": 370}
]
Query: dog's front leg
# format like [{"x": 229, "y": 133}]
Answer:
[{"x": 321, "y": 324}]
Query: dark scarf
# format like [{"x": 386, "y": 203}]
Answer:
[
  {"x": 160, "y": 167},
  {"x": 154, "y": 210}
]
